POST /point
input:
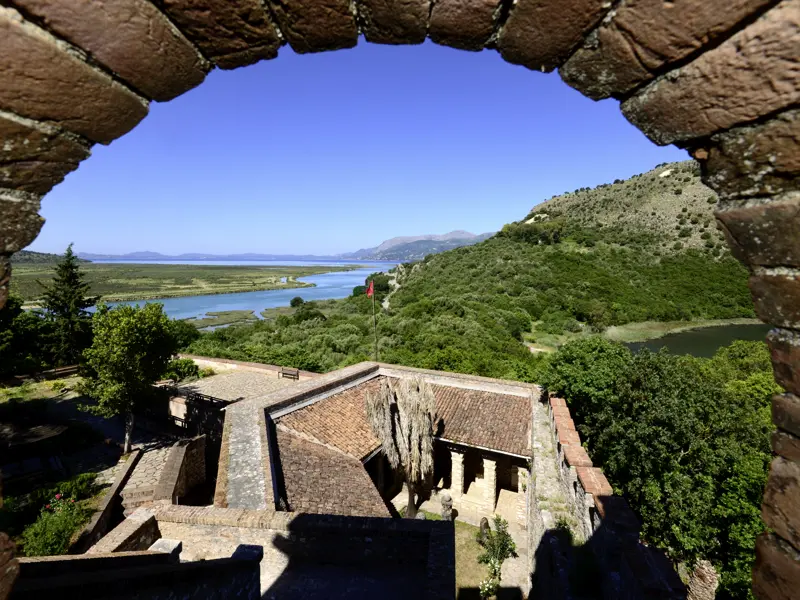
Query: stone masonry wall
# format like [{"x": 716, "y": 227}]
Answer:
[
  {"x": 720, "y": 78},
  {"x": 606, "y": 521},
  {"x": 184, "y": 469}
]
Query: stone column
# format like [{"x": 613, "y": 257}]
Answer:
[
  {"x": 456, "y": 474},
  {"x": 490, "y": 483}
]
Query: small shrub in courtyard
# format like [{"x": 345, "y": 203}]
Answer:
[
  {"x": 53, "y": 530},
  {"x": 498, "y": 545}
]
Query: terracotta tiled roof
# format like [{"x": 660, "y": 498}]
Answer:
[
  {"x": 339, "y": 421},
  {"x": 320, "y": 480},
  {"x": 488, "y": 419},
  {"x": 497, "y": 421}
]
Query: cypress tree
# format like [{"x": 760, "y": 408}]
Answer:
[{"x": 65, "y": 301}]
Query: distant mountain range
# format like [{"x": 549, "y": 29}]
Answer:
[{"x": 401, "y": 249}]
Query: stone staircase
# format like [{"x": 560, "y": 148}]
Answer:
[
  {"x": 141, "y": 487},
  {"x": 133, "y": 499}
]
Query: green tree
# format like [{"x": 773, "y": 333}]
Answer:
[
  {"x": 65, "y": 302},
  {"x": 686, "y": 440},
  {"x": 296, "y": 301},
  {"x": 131, "y": 349},
  {"x": 402, "y": 416},
  {"x": 23, "y": 339}
]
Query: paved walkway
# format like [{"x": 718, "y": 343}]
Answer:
[
  {"x": 246, "y": 481},
  {"x": 238, "y": 385},
  {"x": 148, "y": 470}
]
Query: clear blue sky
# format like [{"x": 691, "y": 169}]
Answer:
[{"x": 332, "y": 152}]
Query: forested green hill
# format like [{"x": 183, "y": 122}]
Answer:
[
  {"x": 572, "y": 273},
  {"x": 28, "y": 257}
]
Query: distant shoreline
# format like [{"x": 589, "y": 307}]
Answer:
[{"x": 132, "y": 282}]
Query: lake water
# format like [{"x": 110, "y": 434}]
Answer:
[
  {"x": 338, "y": 284},
  {"x": 703, "y": 342}
]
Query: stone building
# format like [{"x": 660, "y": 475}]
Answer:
[
  {"x": 329, "y": 461},
  {"x": 716, "y": 77}
]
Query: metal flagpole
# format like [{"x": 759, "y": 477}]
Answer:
[{"x": 375, "y": 324}]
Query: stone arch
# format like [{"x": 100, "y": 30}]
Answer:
[{"x": 720, "y": 78}]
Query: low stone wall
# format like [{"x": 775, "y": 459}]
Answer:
[
  {"x": 153, "y": 575},
  {"x": 221, "y": 489},
  {"x": 607, "y": 522},
  {"x": 227, "y": 364},
  {"x": 36, "y": 567},
  {"x": 185, "y": 468},
  {"x": 337, "y": 540},
  {"x": 100, "y": 522},
  {"x": 138, "y": 532}
]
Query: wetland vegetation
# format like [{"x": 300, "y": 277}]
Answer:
[{"x": 121, "y": 281}]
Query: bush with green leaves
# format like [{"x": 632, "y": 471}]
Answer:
[
  {"x": 498, "y": 545},
  {"x": 52, "y": 532},
  {"x": 684, "y": 439},
  {"x": 180, "y": 369}
]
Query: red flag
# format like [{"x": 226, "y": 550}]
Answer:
[{"x": 370, "y": 289}]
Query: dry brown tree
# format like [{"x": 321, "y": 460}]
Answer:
[{"x": 402, "y": 416}]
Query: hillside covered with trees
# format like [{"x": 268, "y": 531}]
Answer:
[{"x": 565, "y": 273}]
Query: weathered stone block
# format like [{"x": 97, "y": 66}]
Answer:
[
  {"x": 568, "y": 436},
  {"x": 784, "y": 346},
  {"x": 764, "y": 232},
  {"x": 231, "y": 33},
  {"x": 9, "y": 567},
  {"x": 776, "y": 573},
  {"x": 21, "y": 221},
  {"x": 776, "y": 294},
  {"x": 641, "y": 37},
  {"x": 594, "y": 482},
  {"x": 316, "y": 25},
  {"x": 43, "y": 79},
  {"x": 576, "y": 456},
  {"x": 130, "y": 37},
  {"x": 786, "y": 445},
  {"x": 781, "y": 506},
  {"x": 35, "y": 156},
  {"x": 464, "y": 24},
  {"x": 394, "y": 21},
  {"x": 541, "y": 34},
  {"x": 757, "y": 160},
  {"x": 752, "y": 74},
  {"x": 786, "y": 413}
]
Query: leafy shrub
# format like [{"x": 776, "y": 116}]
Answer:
[
  {"x": 57, "y": 385},
  {"x": 296, "y": 301},
  {"x": 180, "y": 369},
  {"x": 183, "y": 332},
  {"x": 51, "y": 533},
  {"x": 498, "y": 545},
  {"x": 206, "y": 372}
]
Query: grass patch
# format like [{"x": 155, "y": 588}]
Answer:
[
  {"x": 650, "y": 330},
  {"x": 119, "y": 282},
  {"x": 223, "y": 317}
]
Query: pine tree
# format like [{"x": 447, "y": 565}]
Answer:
[{"x": 65, "y": 302}]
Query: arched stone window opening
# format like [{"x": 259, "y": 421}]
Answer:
[{"x": 720, "y": 79}]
